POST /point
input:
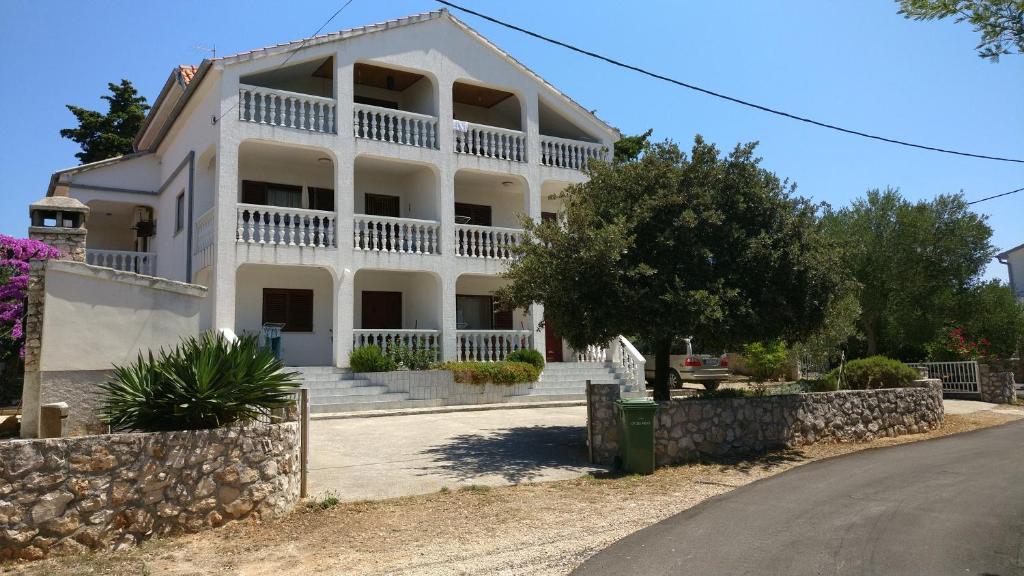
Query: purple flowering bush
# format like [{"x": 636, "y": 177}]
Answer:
[{"x": 15, "y": 254}]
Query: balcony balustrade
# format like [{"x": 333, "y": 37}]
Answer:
[
  {"x": 565, "y": 153},
  {"x": 397, "y": 126},
  {"x": 490, "y": 345},
  {"x": 124, "y": 260},
  {"x": 400, "y": 235},
  {"x": 490, "y": 141},
  {"x": 288, "y": 109},
  {"x": 278, "y": 226},
  {"x": 388, "y": 339},
  {"x": 486, "y": 241}
]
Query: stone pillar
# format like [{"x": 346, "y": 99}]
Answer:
[
  {"x": 995, "y": 385},
  {"x": 602, "y": 427},
  {"x": 58, "y": 221}
]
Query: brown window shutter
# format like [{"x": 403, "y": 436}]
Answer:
[
  {"x": 502, "y": 319},
  {"x": 293, "y": 308},
  {"x": 382, "y": 205},
  {"x": 300, "y": 311},
  {"x": 275, "y": 306}
]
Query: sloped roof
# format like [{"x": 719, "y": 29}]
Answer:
[
  {"x": 191, "y": 76},
  {"x": 1006, "y": 253}
]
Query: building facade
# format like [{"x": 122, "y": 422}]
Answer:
[
  {"x": 364, "y": 186},
  {"x": 1014, "y": 260}
]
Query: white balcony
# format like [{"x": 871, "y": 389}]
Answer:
[
  {"x": 398, "y": 235},
  {"x": 566, "y": 153},
  {"x": 488, "y": 242},
  {"x": 278, "y": 226},
  {"x": 489, "y": 141},
  {"x": 396, "y": 126},
  {"x": 490, "y": 345},
  {"x": 124, "y": 260},
  {"x": 287, "y": 109}
]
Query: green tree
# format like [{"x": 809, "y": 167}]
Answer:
[
  {"x": 912, "y": 262},
  {"x": 989, "y": 310},
  {"x": 668, "y": 245},
  {"x": 103, "y": 136},
  {"x": 999, "y": 22},
  {"x": 630, "y": 147}
]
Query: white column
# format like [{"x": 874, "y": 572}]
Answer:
[
  {"x": 536, "y": 316},
  {"x": 343, "y": 316},
  {"x": 448, "y": 318},
  {"x": 225, "y": 266}
]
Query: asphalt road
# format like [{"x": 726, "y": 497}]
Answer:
[{"x": 949, "y": 506}]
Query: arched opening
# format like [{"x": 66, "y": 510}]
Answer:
[
  {"x": 486, "y": 331},
  {"x": 397, "y": 308}
]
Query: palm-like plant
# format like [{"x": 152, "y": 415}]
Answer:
[{"x": 205, "y": 382}]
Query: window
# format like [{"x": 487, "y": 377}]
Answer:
[
  {"x": 270, "y": 194},
  {"x": 474, "y": 312},
  {"x": 381, "y": 205},
  {"x": 179, "y": 212},
  {"x": 293, "y": 308},
  {"x": 321, "y": 199},
  {"x": 477, "y": 214}
]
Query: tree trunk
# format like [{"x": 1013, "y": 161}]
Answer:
[
  {"x": 871, "y": 334},
  {"x": 662, "y": 350}
]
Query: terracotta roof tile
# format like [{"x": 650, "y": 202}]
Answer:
[{"x": 187, "y": 71}]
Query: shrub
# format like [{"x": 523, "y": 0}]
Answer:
[
  {"x": 205, "y": 382},
  {"x": 492, "y": 372},
  {"x": 724, "y": 393},
  {"x": 766, "y": 360},
  {"x": 405, "y": 358},
  {"x": 370, "y": 359},
  {"x": 528, "y": 355},
  {"x": 826, "y": 383},
  {"x": 875, "y": 372}
]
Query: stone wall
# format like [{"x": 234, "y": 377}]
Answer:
[
  {"x": 996, "y": 384},
  {"x": 65, "y": 495},
  {"x": 686, "y": 429}
]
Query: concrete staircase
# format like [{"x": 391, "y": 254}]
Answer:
[
  {"x": 336, "y": 390},
  {"x": 568, "y": 380}
]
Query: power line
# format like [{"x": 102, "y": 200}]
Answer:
[
  {"x": 718, "y": 94},
  {"x": 293, "y": 53},
  {"x": 997, "y": 196}
]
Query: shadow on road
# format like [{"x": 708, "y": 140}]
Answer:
[{"x": 517, "y": 454}]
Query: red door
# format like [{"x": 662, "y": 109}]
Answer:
[{"x": 552, "y": 343}]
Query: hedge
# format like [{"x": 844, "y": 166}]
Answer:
[
  {"x": 876, "y": 372},
  {"x": 492, "y": 372}
]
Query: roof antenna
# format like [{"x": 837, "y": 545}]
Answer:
[{"x": 204, "y": 48}]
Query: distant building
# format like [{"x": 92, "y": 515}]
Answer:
[{"x": 1014, "y": 260}]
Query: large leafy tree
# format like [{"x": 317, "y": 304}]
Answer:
[
  {"x": 103, "y": 136},
  {"x": 913, "y": 262},
  {"x": 667, "y": 245},
  {"x": 1000, "y": 23},
  {"x": 989, "y": 310}
]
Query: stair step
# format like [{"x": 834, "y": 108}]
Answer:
[
  {"x": 349, "y": 404},
  {"x": 334, "y": 385},
  {"x": 340, "y": 395}
]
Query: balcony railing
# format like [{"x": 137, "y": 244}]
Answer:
[
  {"x": 288, "y": 109},
  {"x": 490, "y": 141},
  {"x": 400, "y": 235},
  {"x": 124, "y": 260},
  {"x": 389, "y": 339},
  {"x": 490, "y": 345},
  {"x": 280, "y": 226},
  {"x": 565, "y": 153},
  {"x": 486, "y": 241},
  {"x": 202, "y": 244},
  {"x": 397, "y": 126}
]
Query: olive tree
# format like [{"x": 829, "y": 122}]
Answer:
[{"x": 668, "y": 244}]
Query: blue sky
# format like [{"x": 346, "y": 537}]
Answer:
[{"x": 856, "y": 64}]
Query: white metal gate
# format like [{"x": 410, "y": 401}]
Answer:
[{"x": 957, "y": 377}]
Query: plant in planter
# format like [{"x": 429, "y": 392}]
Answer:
[
  {"x": 528, "y": 355},
  {"x": 492, "y": 372},
  {"x": 205, "y": 382},
  {"x": 370, "y": 359}
]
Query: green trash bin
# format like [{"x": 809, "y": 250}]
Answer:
[{"x": 636, "y": 434}]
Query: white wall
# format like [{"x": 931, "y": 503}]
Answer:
[
  {"x": 507, "y": 204},
  {"x": 297, "y": 349},
  {"x": 95, "y": 317},
  {"x": 416, "y": 190},
  {"x": 505, "y": 114},
  {"x": 421, "y": 296}
]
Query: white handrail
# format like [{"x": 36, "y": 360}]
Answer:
[
  {"x": 490, "y": 242},
  {"x": 389, "y": 234},
  {"x": 290, "y": 109},
  {"x": 398, "y": 126},
  {"x": 490, "y": 345},
  {"x": 491, "y": 142},
  {"x": 631, "y": 360},
  {"x": 124, "y": 260},
  {"x": 567, "y": 153},
  {"x": 280, "y": 226}
]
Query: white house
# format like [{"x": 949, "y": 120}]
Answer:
[
  {"x": 360, "y": 186},
  {"x": 1014, "y": 260}
]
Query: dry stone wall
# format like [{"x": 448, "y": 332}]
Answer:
[
  {"x": 686, "y": 429},
  {"x": 996, "y": 384},
  {"x": 66, "y": 495}
]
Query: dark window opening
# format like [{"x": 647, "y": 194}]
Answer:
[
  {"x": 291, "y": 307},
  {"x": 381, "y": 310},
  {"x": 179, "y": 213},
  {"x": 375, "y": 102},
  {"x": 382, "y": 205},
  {"x": 321, "y": 199},
  {"x": 475, "y": 214},
  {"x": 474, "y": 312}
]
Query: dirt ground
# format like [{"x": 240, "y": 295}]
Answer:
[{"x": 530, "y": 529}]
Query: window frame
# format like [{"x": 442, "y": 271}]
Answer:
[{"x": 179, "y": 213}]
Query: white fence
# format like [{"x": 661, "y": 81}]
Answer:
[
  {"x": 388, "y": 339},
  {"x": 397, "y": 126},
  {"x": 491, "y": 142},
  {"x": 486, "y": 241},
  {"x": 403, "y": 235},
  {"x": 491, "y": 345},
  {"x": 565, "y": 153},
  {"x": 285, "y": 226},
  {"x": 957, "y": 377},
  {"x": 289, "y": 109},
  {"x": 124, "y": 260}
]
